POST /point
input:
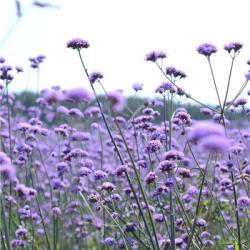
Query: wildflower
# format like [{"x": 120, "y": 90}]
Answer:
[
  {"x": 154, "y": 56},
  {"x": 206, "y": 111},
  {"x": 165, "y": 86},
  {"x": 173, "y": 72},
  {"x": 150, "y": 177},
  {"x": 240, "y": 102},
  {"x": 153, "y": 146},
  {"x": 77, "y": 43},
  {"x": 244, "y": 202},
  {"x": 18, "y": 69},
  {"x": 77, "y": 95},
  {"x": 166, "y": 166},
  {"x": 214, "y": 143},
  {"x": 2, "y": 60},
  {"x": 95, "y": 76},
  {"x": 233, "y": 46},
  {"x": 206, "y": 49},
  {"x": 137, "y": 86},
  {"x": 247, "y": 75},
  {"x": 203, "y": 129},
  {"x": 7, "y": 171},
  {"x": 117, "y": 100},
  {"x": 21, "y": 232}
]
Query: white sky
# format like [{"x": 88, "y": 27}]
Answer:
[{"x": 120, "y": 33}]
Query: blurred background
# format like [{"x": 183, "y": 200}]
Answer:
[{"x": 121, "y": 33}]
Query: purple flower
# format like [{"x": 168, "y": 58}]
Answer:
[
  {"x": 109, "y": 241},
  {"x": 95, "y": 76},
  {"x": 21, "y": 232},
  {"x": 19, "y": 69},
  {"x": 153, "y": 146},
  {"x": 2, "y": 60},
  {"x": 206, "y": 49},
  {"x": 202, "y": 129},
  {"x": 244, "y": 202},
  {"x": 77, "y": 43},
  {"x": 214, "y": 143},
  {"x": 7, "y": 171},
  {"x": 166, "y": 166},
  {"x": 150, "y": 177},
  {"x": 247, "y": 75},
  {"x": 154, "y": 56},
  {"x": 117, "y": 100},
  {"x": 77, "y": 95},
  {"x": 235, "y": 46},
  {"x": 137, "y": 86},
  {"x": 173, "y": 72}
]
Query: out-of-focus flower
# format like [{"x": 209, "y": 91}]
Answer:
[
  {"x": 137, "y": 86},
  {"x": 233, "y": 46},
  {"x": 155, "y": 55},
  {"x": 77, "y": 43},
  {"x": 77, "y": 95},
  {"x": 95, "y": 76},
  {"x": 117, "y": 100}
]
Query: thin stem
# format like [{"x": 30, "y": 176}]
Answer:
[
  {"x": 228, "y": 84},
  {"x": 214, "y": 82},
  {"x": 198, "y": 204},
  {"x": 117, "y": 151},
  {"x": 236, "y": 212}
]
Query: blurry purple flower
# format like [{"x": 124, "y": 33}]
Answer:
[
  {"x": 21, "y": 232},
  {"x": 19, "y": 69},
  {"x": 235, "y": 46},
  {"x": 109, "y": 241},
  {"x": 154, "y": 56},
  {"x": 214, "y": 143},
  {"x": 206, "y": 49},
  {"x": 166, "y": 166},
  {"x": 240, "y": 102},
  {"x": 173, "y": 72},
  {"x": 95, "y": 76},
  {"x": 165, "y": 86},
  {"x": 202, "y": 129},
  {"x": 77, "y": 95},
  {"x": 2, "y": 60},
  {"x": 150, "y": 177},
  {"x": 117, "y": 100},
  {"x": 247, "y": 75},
  {"x": 153, "y": 146},
  {"x": 244, "y": 202},
  {"x": 206, "y": 111},
  {"x": 137, "y": 86},
  {"x": 77, "y": 43},
  {"x": 7, "y": 171}
]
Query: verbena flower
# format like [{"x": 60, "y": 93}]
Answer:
[
  {"x": 155, "y": 55},
  {"x": 95, "y": 76},
  {"x": 77, "y": 43},
  {"x": 206, "y": 49},
  {"x": 117, "y": 100},
  {"x": 233, "y": 46}
]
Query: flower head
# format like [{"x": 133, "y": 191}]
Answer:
[
  {"x": 233, "y": 46},
  {"x": 117, "y": 100},
  {"x": 95, "y": 76},
  {"x": 155, "y": 55},
  {"x": 137, "y": 86},
  {"x": 77, "y": 43},
  {"x": 206, "y": 49},
  {"x": 77, "y": 95}
]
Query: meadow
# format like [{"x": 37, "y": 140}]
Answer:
[{"x": 82, "y": 170}]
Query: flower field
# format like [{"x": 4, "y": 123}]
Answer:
[{"x": 83, "y": 172}]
